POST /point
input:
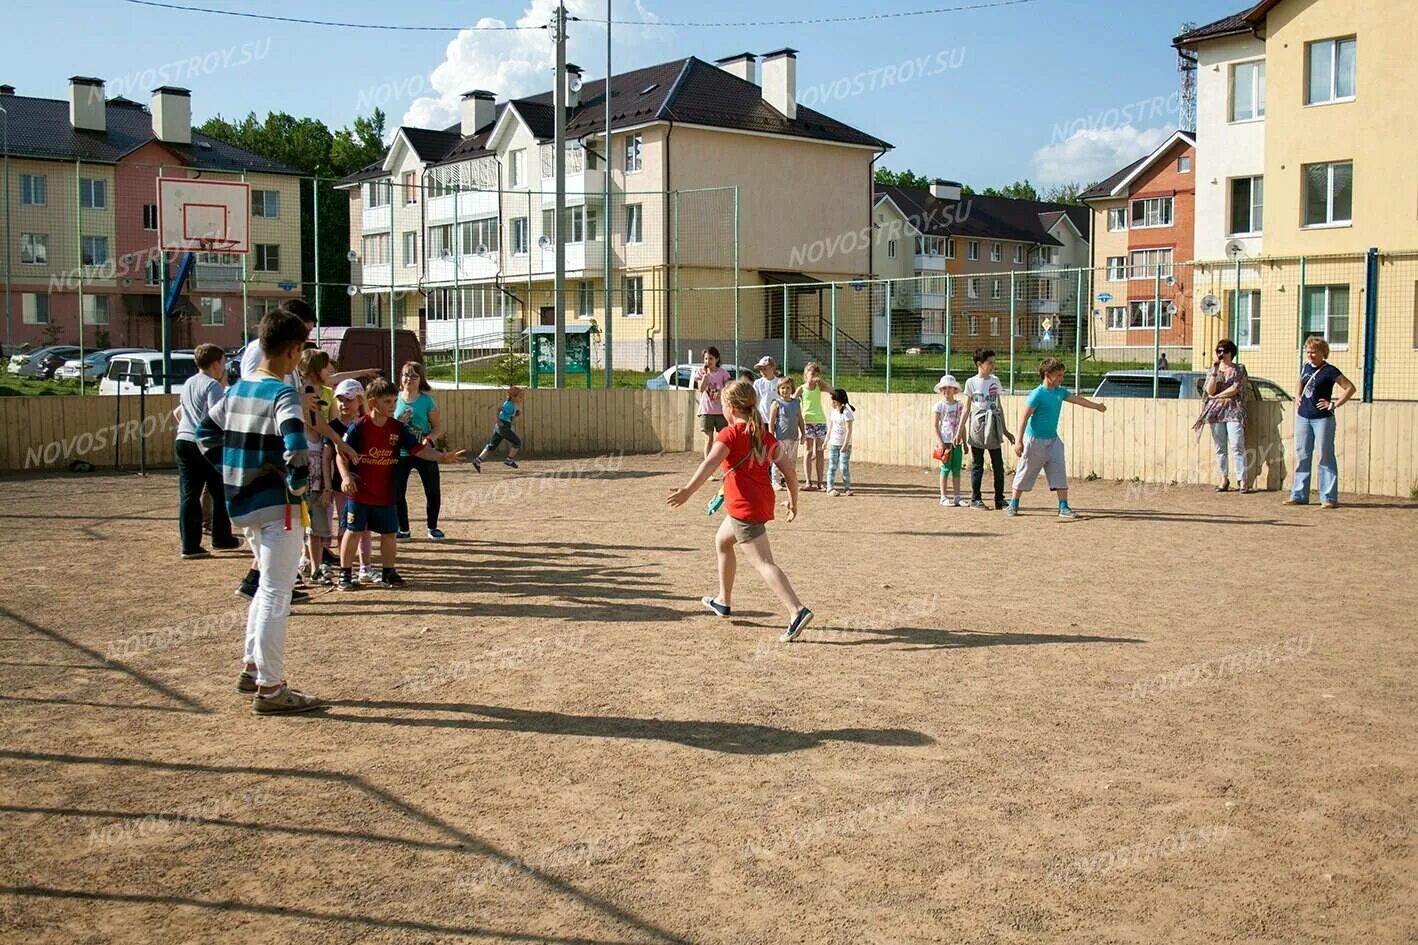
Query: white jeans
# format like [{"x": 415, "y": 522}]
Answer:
[
  {"x": 1236, "y": 433},
  {"x": 278, "y": 556}
]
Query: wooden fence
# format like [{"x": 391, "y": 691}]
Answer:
[{"x": 1144, "y": 440}]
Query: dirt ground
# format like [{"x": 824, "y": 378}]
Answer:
[{"x": 1184, "y": 718}]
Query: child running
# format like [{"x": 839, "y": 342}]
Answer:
[
  {"x": 785, "y": 419},
  {"x": 502, "y": 430},
  {"x": 378, "y": 438},
  {"x": 814, "y": 426},
  {"x": 1041, "y": 447},
  {"x": 948, "y": 423},
  {"x": 256, "y": 434},
  {"x": 986, "y": 430},
  {"x": 839, "y": 443},
  {"x": 745, "y": 449},
  {"x": 349, "y": 405}
]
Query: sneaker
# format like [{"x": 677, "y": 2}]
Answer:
[
  {"x": 721, "y": 610},
  {"x": 477, "y": 464},
  {"x": 510, "y": 462},
  {"x": 1067, "y": 514},
  {"x": 299, "y": 580},
  {"x": 1245, "y": 490},
  {"x": 285, "y": 702},
  {"x": 845, "y": 492},
  {"x": 347, "y": 583},
  {"x": 402, "y": 536},
  {"x": 366, "y": 576},
  {"x": 435, "y": 534},
  {"x": 373, "y": 577},
  {"x": 1329, "y": 505},
  {"x": 194, "y": 555},
  {"x": 798, "y": 625},
  {"x": 979, "y": 506},
  {"x": 392, "y": 578},
  {"x": 323, "y": 576},
  {"x": 833, "y": 492},
  {"x": 248, "y": 585},
  {"x": 246, "y": 682},
  {"x": 947, "y": 503},
  {"x": 1011, "y": 510},
  {"x": 1224, "y": 487},
  {"x": 226, "y": 545}
]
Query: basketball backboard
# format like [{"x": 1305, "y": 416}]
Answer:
[{"x": 204, "y": 216}]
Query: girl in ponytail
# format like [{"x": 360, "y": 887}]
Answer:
[{"x": 745, "y": 449}]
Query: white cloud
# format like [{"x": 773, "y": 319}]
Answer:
[
  {"x": 1090, "y": 155},
  {"x": 515, "y": 63}
]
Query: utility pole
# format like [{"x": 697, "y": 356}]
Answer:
[
  {"x": 606, "y": 215},
  {"x": 559, "y": 208}
]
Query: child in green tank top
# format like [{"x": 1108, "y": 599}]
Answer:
[{"x": 814, "y": 426}]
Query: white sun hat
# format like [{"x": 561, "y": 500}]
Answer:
[{"x": 947, "y": 380}]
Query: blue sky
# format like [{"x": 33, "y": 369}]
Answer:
[{"x": 1053, "y": 90}]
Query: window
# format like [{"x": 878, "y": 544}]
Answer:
[
  {"x": 150, "y": 216},
  {"x": 376, "y": 193},
  {"x": 890, "y": 249},
  {"x": 96, "y": 309},
  {"x": 634, "y": 296},
  {"x": 1117, "y": 268},
  {"x": 950, "y": 248},
  {"x": 440, "y": 241},
  {"x": 1140, "y": 315},
  {"x": 1020, "y": 289},
  {"x": 996, "y": 252},
  {"x": 480, "y": 236},
  {"x": 34, "y": 248},
  {"x": 268, "y": 257},
  {"x": 585, "y": 300},
  {"x": 1245, "y": 313},
  {"x": 1329, "y": 193},
  {"x": 372, "y": 304},
  {"x": 994, "y": 290},
  {"x": 972, "y": 325},
  {"x": 266, "y": 203},
  {"x": 35, "y": 308},
  {"x": 1248, "y": 91},
  {"x": 1048, "y": 290},
  {"x": 33, "y": 191},
  {"x": 517, "y": 167},
  {"x": 1152, "y": 211},
  {"x": 93, "y": 250},
  {"x": 411, "y": 248},
  {"x": 93, "y": 193},
  {"x": 972, "y": 250},
  {"x": 212, "y": 311},
  {"x": 411, "y": 187},
  {"x": 152, "y": 272},
  {"x": 1117, "y": 219},
  {"x": 1247, "y": 198},
  {"x": 634, "y": 223},
  {"x": 1149, "y": 263},
  {"x": 583, "y": 224},
  {"x": 1330, "y": 71},
  {"x": 972, "y": 288},
  {"x": 1019, "y": 254},
  {"x": 519, "y": 236},
  {"x": 994, "y": 324},
  {"x": 1117, "y": 317},
  {"x": 633, "y": 146},
  {"x": 1184, "y": 164},
  {"x": 1326, "y": 313},
  {"x": 1048, "y": 255},
  {"x": 376, "y": 249}
]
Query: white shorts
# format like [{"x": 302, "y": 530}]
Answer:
[{"x": 1048, "y": 455}]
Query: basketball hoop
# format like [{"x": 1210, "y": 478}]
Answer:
[{"x": 203, "y": 216}]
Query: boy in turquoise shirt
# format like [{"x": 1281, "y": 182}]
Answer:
[{"x": 1040, "y": 447}]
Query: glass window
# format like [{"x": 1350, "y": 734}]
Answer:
[
  {"x": 1326, "y": 313},
  {"x": 33, "y": 190},
  {"x": 950, "y": 248},
  {"x": 1117, "y": 317},
  {"x": 585, "y": 300},
  {"x": 376, "y": 249},
  {"x": 634, "y": 223},
  {"x": 1246, "y": 318},
  {"x": 212, "y": 311},
  {"x": 1019, "y": 254},
  {"x": 411, "y": 248},
  {"x": 93, "y": 193},
  {"x": 266, "y": 203},
  {"x": 1247, "y": 199},
  {"x": 994, "y": 290},
  {"x": 519, "y": 236},
  {"x": 1117, "y": 268},
  {"x": 1248, "y": 91},
  {"x": 1140, "y": 315},
  {"x": 1149, "y": 263},
  {"x": 411, "y": 187},
  {"x": 34, "y": 248},
  {"x": 972, "y": 250},
  {"x": 96, "y": 309},
  {"x": 517, "y": 167},
  {"x": 972, "y": 325},
  {"x": 268, "y": 257},
  {"x": 150, "y": 216},
  {"x": 996, "y": 253},
  {"x": 1152, "y": 211},
  {"x": 377, "y": 193},
  {"x": 479, "y": 237},
  {"x": 1117, "y": 219},
  {"x": 891, "y": 249},
  {"x": 1329, "y": 193},
  {"x": 973, "y": 288},
  {"x": 35, "y": 308},
  {"x": 633, "y": 147},
  {"x": 1330, "y": 71},
  {"x": 440, "y": 241},
  {"x": 634, "y": 303},
  {"x": 94, "y": 250}
]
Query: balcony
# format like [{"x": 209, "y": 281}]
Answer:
[
  {"x": 580, "y": 184},
  {"x": 929, "y": 263},
  {"x": 472, "y": 267},
  {"x": 376, "y": 218},
  {"x": 467, "y": 205},
  {"x": 916, "y": 300},
  {"x": 580, "y": 257},
  {"x": 216, "y": 277},
  {"x": 1044, "y": 306}
]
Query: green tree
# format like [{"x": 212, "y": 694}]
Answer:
[
  {"x": 1066, "y": 193},
  {"x": 360, "y": 146},
  {"x": 1019, "y": 190},
  {"x": 885, "y": 175}
]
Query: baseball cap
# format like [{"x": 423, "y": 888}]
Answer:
[
  {"x": 765, "y": 360},
  {"x": 349, "y": 387},
  {"x": 947, "y": 380}
]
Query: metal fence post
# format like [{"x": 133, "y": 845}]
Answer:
[
  {"x": 947, "y": 323},
  {"x": 392, "y": 243},
  {"x": 1078, "y": 307},
  {"x": 737, "y": 313},
  {"x": 785, "y": 327},
  {"x": 245, "y": 288},
  {"x": 833, "y": 345},
  {"x": 457, "y": 250},
  {"x": 79, "y": 234},
  {"x": 319, "y": 289},
  {"x": 1300, "y": 314},
  {"x": 674, "y": 329},
  {"x": 888, "y": 336},
  {"x": 1156, "y": 327},
  {"x": 1011, "y": 331},
  {"x": 1371, "y": 320}
]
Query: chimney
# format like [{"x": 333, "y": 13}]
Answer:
[
  {"x": 477, "y": 110},
  {"x": 573, "y": 86},
  {"x": 7, "y": 90},
  {"x": 780, "y": 81},
  {"x": 172, "y": 114},
  {"x": 87, "y": 109},
  {"x": 744, "y": 65},
  {"x": 945, "y": 189}
]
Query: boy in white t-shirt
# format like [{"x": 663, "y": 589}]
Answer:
[
  {"x": 985, "y": 429},
  {"x": 766, "y": 386}
]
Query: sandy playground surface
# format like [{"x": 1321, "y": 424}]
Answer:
[{"x": 1186, "y": 718}]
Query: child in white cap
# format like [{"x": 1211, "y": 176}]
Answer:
[{"x": 948, "y": 423}]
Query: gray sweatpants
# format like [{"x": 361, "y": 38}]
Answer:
[{"x": 1046, "y": 454}]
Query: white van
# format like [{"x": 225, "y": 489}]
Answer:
[{"x": 130, "y": 373}]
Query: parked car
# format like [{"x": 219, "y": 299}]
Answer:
[
  {"x": 929, "y": 347},
  {"x": 32, "y": 363},
  {"x": 93, "y": 366},
  {"x": 131, "y": 373},
  {"x": 678, "y": 377},
  {"x": 1177, "y": 385}
]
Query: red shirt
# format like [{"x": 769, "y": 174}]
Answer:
[
  {"x": 748, "y": 492},
  {"x": 378, "y": 447}
]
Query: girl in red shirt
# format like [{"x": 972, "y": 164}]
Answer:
[{"x": 745, "y": 449}]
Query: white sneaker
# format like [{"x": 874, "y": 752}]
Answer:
[
  {"x": 947, "y": 503},
  {"x": 833, "y": 492},
  {"x": 366, "y": 576}
]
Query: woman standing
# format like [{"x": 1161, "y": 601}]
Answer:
[
  {"x": 1314, "y": 423},
  {"x": 419, "y": 412},
  {"x": 1225, "y": 411}
]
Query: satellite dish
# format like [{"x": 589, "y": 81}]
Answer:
[
  {"x": 1171, "y": 309},
  {"x": 1170, "y": 280},
  {"x": 1235, "y": 249},
  {"x": 575, "y": 83},
  {"x": 127, "y": 283},
  {"x": 127, "y": 259},
  {"x": 544, "y": 242},
  {"x": 352, "y": 256},
  {"x": 482, "y": 249},
  {"x": 351, "y": 290},
  {"x": 1210, "y": 306}
]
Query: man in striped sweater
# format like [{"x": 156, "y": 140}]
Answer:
[{"x": 256, "y": 436}]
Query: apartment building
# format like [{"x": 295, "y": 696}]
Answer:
[
  {"x": 980, "y": 263},
  {"x": 1144, "y": 225},
  {"x": 712, "y": 171},
  {"x": 82, "y": 261},
  {"x": 1304, "y": 112}
]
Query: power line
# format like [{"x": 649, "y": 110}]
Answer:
[{"x": 807, "y": 21}]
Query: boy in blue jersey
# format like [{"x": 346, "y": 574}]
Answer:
[
  {"x": 511, "y": 407},
  {"x": 256, "y": 435},
  {"x": 1040, "y": 446}
]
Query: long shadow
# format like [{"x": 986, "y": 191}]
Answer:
[
  {"x": 581, "y": 546},
  {"x": 737, "y": 738},
  {"x": 99, "y": 669},
  {"x": 1152, "y": 515},
  {"x": 188, "y": 704},
  {"x": 467, "y": 841},
  {"x": 927, "y": 638},
  {"x": 593, "y": 474}
]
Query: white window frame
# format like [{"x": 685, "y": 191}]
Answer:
[
  {"x": 150, "y": 217},
  {"x": 996, "y": 252},
  {"x": 1117, "y": 219},
  {"x": 1141, "y": 312},
  {"x": 409, "y": 183},
  {"x": 213, "y": 311},
  {"x": 1117, "y": 317},
  {"x": 378, "y": 193},
  {"x": 634, "y": 223},
  {"x": 1148, "y": 206},
  {"x": 950, "y": 247},
  {"x": 263, "y": 257},
  {"x": 994, "y": 326},
  {"x": 34, "y": 190},
  {"x": 1117, "y": 268},
  {"x": 634, "y": 153},
  {"x": 1256, "y": 200},
  {"x": 88, "y": 250},
  {"x": 995, "y": 290},
  {"x": 1019, "y": 254},
  {"x": 372, "y": 305},
  {"x": 1256, "y": 67},
  {"x": 96, "y": 309},
  {"x": 1250, "y": 339},
  {"x": 93, "y": 193},
  {"x": 585, "y": 299},
  {"x": 32, "y": 310},
  {"x": 482, "y": 232},
  {"x": 30, "y": 241},
  {"x": 410, "y": 246},
  {"x": 375, "y": 241},
  {"x": 972, "y": 325},
  {"x": 1327, "y": 317},
  {"x": 1329, "y": 221},
  {"x": 972, "y": 287},
  {"x": 633, "y": 302},
  {"x": 520, "y": 235},
  {"x": 152, "y": 272},
  {"x": 266, "y": 204},
  {"x": 1334, "y": 44},
  {"x": 972, "y": 250},
  {"x": 1184, "y": 164},
  {"x": 517, "y": 167},
  {"x": 890, "y": 249},
  {"x": 1147, "y": 268}
]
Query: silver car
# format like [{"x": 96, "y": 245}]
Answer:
[
  {"x": 1177, "y": 385},
  {"x": 93, "y": 366},
  {"x": 679, "y": 376},
  {"x": 31, "y": 363}
]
